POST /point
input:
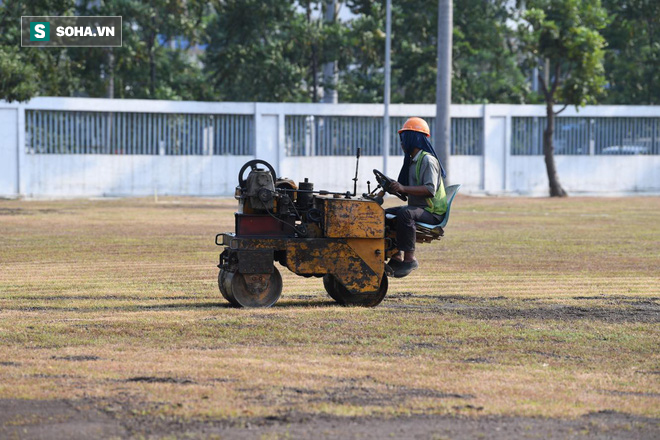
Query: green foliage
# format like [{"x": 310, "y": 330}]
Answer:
[
  {"x": 486, "y": 67},
  {"x": 565, "y": 34},
  {"x": 28, "y": 71},
  {"x": 632, "y": 58},
  {"x": 142, "y": 68},
  {"x": 146, "y": 66},
  {"x": 363, "y": 81},
  {"x": 274, "y": 50},
  {"x": 484, "y": 63},
  {"x": 18, "y": 81},
  {"x": 256, "y": 55}
]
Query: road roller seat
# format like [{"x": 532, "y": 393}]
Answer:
[{"x": 427, "y": 232}]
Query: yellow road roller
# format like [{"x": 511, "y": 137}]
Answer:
[{"x": 339, "y": 237}]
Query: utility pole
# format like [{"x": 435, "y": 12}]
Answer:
[
  {"x": 330, "y": 71},
  {"x": 443, "y": 83},
  {"x": 386, "y": 116}
]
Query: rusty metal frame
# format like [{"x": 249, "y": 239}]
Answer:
[{"x": 356, "y": 262}]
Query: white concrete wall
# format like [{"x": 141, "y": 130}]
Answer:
[
  {"x": 496, "y": 172},
  {"x": 336, "y": 173},
  {"x": 58, "y": 175},
  {"x": 591, "y": 174}
]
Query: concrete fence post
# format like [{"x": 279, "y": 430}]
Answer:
[
  {"x": 267, "y": 140},
  {"x": 507, "y": 150},
  {"x": 10, "y": 150},
  {"x": 281, "y": 142},
  {"x": 21, "y": 165},
  {"x": 484, "y": 147},
  {"x": 494, "y": 149}
]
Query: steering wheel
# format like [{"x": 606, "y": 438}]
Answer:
[
  {"x": 386, "y": 183},
  {"x": 253, "y": 166}
]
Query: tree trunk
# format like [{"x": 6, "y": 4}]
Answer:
[
  {"x": 314, "y": 75},
  {"x": 110, "y": 94},
  {"x": 152, "y": 66},
  {"x": 649, "y": 84},
  {"x": 312, "y": 60},
  {"x": 549, "y": 152},
  {"x": 111, "y": 74}
]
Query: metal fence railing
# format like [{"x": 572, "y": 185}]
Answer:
[
  {"x": 467, "y": 136},
  {"x": 584, "y": 136},
  {"x": 626, "y": 135},
  {"x": 75, "y": 132},
  {"x": 123, "y": 133},
  {"x": 311, "y": 135},
  {"x": 332, "y": 135}
]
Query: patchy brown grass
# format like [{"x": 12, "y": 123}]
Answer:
[{"x": 528, "y": 307}]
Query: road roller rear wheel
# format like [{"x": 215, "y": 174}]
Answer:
[
  {"x": 251, "y": 290},
  {"x": 345, "y": 297},
  {"x": 329, "y": 284},
  {"x": 221, "y": 284}
]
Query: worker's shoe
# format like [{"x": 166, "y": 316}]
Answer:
[
  {"x": 391, "y": 266},
  {"x": 404, "y": 268},
  {"x": 394, "y": 263}
]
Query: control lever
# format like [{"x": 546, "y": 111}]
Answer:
[{"x": 357, "y": 164}]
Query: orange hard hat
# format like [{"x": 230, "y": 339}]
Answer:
[{"x": 416, "y": 124}]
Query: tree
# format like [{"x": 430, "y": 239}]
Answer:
[
  {"x": 563, "y": 37},
  {"x": 273, "y": 52},
  {"x": 146, "y": 66},
  {"x": 632, "y": 58},
  {"x": 155, "y": 60},
  {"x": 256, "y": 56},
  {"x": 18, "y": 81},
  {"x": 484, "y": 62},
  {"x": 30, "y": 71},
  {"x": 364, "y": 80}
]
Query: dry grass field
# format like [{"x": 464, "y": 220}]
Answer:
[{"x": 541, "y": 312}]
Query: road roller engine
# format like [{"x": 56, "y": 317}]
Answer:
[{"x": 336, "y": 236}]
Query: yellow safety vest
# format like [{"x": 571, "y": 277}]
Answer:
[{"x": 437, "y": 203}]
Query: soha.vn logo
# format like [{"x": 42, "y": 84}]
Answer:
[{"x": 39, "y": 31}]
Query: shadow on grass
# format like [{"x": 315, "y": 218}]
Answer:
[
  {"x": 468, "y": 307},
  {"x": 103, "y": 297},
  {"x": 128, "y": 308},
  {"x": 643, "y": 312},
  {"x": 173, "y": 306},
  {"x": 305, "y": 304}
]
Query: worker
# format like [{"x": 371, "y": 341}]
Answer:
[{"x": 421, "y": 179}]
